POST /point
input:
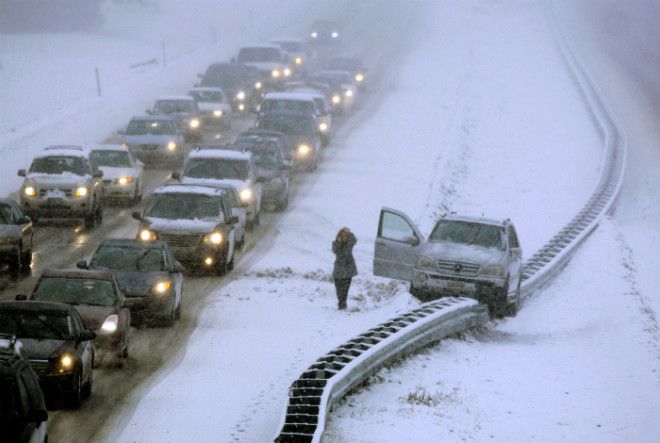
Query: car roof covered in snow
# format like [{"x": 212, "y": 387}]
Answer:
[
  {"x": 107, "y": 147},
  {"x": 474, "y": 219},
  {"x": 62, "y": 151},
  {"x": 182, "y": 188},
  {"x": 298, "y": 96},
  {"x": 206, "y": 88},
  {"x": 262, "y": 45},
  {"x": 175, "y": 98},
  {"x": 149, "y": 118},
  {"x": 221, "y": 153}
]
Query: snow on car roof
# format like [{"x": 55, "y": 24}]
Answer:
[
  {"x": 266, "y": 45},
  {"x": 308, "y": 92},
  {"x": 188, "y": 189},
  {"x": 175, "y": 97},
  {"x": 64, "y": 151},
  {"x": 220, "y": 153},
  {"x": 107, "y": 147},
  {"x": 157, "y": 117},
  {"x": 474, "y": 218},
  {"x": 287, "y": 96},
  {"x": 205, "y": 89}
]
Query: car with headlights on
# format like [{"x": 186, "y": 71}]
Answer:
[
  {"x": 346, "y": 82},
  {"x": 184, "y": 111},
  {"x": 16, "y": 234},
  {"x": 147, "y": 273},
  {"x": 326, "y": 128},
  {"x": 62, "y": 183},
  {"x": 213, "y": 105},
  {"x": 196, "y": 222},
  {"x": 301, "y": 131},
  {"x": 97, "y": 298},
  {"x": 255, "y": 137},
  {"x": 56, "y": 342},
  {"x": 213, "y": 166},
  {"x": 23, "y": 413},
  {"x": 295, "y": 52},
  {"x": 242, "y": 84},
  {"x": 324, "y": 32},
  {"x": 122, "y": 173},
  {"x": 270, "y": 60},
  {"x": 473, "y": 256},
  {"x": 350, "y": 64},
  {"x": 154, "y": 140},
  {"x": 238, "y": 209},
  {"x": 334, "y": 91}
]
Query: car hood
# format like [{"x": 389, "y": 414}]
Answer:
[
  {"x": 189, "y": 226},
  {"x": 236, "y": 184},
  {"x": 43, "y": 349},
  {"x": 462, "y": 252},
  {"x": 66, "y": 178},
  {"x": 135, "y": 283},
  {"x": 93, "y": 316},
  {"x": 10, "y": 231},
  {"x": 210, "y": 106},
  {"x": 149, "y": 139},
  {"x": 110, "y": 173}
]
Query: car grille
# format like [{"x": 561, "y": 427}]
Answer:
[
  {"x": 67, "y": 192},
  {"x": 181, "y": 240},
  {"x": 453, "y": 266},
  {"x": 40, "y": 367},
  {"x": 148, "y": 147}
]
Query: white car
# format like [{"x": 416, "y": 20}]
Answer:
[
  {"x": 122, "y": 174},
  {"x": 213, "y": 106},
  {"x": 326, "y": 127},
  {"x": 270, "y": 60}
]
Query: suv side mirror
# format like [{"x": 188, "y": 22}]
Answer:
[
  {"x": 176, "y": 175},
  {"x": 82, "y": 264},
  {"x": 137, "y": 216},
  {"x": 97, "y": 174},
  {"x": 20, "y": 297},
  {"x": 37, "y": 415},
  {"x": 412, "y": 240},
  {"x": 87, "y": 335},
  {"x": 21, "y": 173}
]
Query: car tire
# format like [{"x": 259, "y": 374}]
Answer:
[
  {"x": 512, "y": 308},
  {"x": 177, "y": 313},
  {"x": 137, "y": 198},
  {"x": 86, "y": 389},
  {"x": 230, "y": 266},
  {"x": 16, "y": 265},
  {"x": 26, "y": 261},
  {"x": 76, "y": 397},
  {"x": 90, "y": 220},
  {"x": 169, "y": 319}
]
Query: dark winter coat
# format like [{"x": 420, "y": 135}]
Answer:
[{"x": 344, "y": 261}]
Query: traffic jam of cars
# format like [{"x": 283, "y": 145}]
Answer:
[{"x": 291, "y": 95}]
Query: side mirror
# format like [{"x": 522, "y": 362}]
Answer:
[
  {"x": 178, "y": 267},
  {"x": 20, "y": 297},
  {"x": 21, "y": 173},
  {"x": 176, "y": 175},
  {"x": 413, "y": 240},
  {"x": 37, "y": 415},
  {"x": 233, "y": 219},
  {"x": 82, "y": 264},
  {"x": 97, "y": 174},
  {"x": 23, "y": 220},
  {"x": 137, "y": 216},
  {"x": 87, "y": 335}
]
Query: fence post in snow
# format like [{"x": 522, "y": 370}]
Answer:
[{"x": 98, "y": 81}]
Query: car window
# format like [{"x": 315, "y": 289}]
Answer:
[
  {"x": 395, "y": 227},
  {"x": 113, "y": 159},
  {"x": 75, "y": 291},
  {"x": 513, "y": 238},
  {"x": 35, "y": 324},
  {"x": 5, "y": 214},
  {"x": 129, "y": 259},
  {"x": 469, "y": 233},
  {"x": 184, "y": 206},
  {"x": 150, "y": 127},
  {"x": 287, "y": 124},
  {"x": 218, "y": 169},
  {"x": 59, "y": 165},
  {"x": 273, "y": 105}
]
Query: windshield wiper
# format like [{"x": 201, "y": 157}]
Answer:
[{"x": 140, "y": 258}]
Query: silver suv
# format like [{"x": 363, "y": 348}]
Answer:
[
  {"x": 196, "y": 222},
  {"x": 61, "y": 183},
  {"x": 473, "y": 256}
]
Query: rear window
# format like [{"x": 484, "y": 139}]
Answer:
[{"x": 129, "y": 259}]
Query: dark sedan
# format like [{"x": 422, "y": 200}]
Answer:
[
  {"x": 56, "y": 342},
  {"x": 15, "y": 237},
  {"x": 98, "y": 299},
  {"x": 263, "y": 138},
  {"x": 148, "y": 274}
]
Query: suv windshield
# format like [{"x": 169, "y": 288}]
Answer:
[
  {"x": 176, "y": 206},
  {"x": 59, "y": 165},
  {"x": 288, "y": 124},
  {"x": 33, "y": 324},
  {"x": 217, "y": 168},
  {"x": 129, "y": 259},
  {"x": 172, "y": 106},
  {"x": 113, "y": 159},
  {"x": 208, "y": 96},
  {"x": 150, "y": 127},
  {"x": 5, "y": 214},
  {"x": 75, "y": 291},
  {"x": 267, "y": 160},
  {"x": 469, "y": 233},
  {"x": 273, "y": 105},
  {"x": 247, "y": 55}
]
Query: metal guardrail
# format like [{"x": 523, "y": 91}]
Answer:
[{"x": 333, "y": 375}]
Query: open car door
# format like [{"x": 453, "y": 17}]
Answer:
[{"x": 397, "y": 245}]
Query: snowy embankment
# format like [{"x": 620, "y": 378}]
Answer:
[
  {"x": 457, "y": 127},
  {"x": 580, "y": 361}
]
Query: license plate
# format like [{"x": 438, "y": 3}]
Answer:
[{"x": 455, "y": 285}]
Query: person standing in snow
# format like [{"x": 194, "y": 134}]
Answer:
[{"x": 344, "y": 269}]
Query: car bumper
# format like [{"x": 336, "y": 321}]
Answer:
[
  {"x": 196, "y": 257},
  {"x": 57, "y": 384},
  {"x": 111, "y": 190},
  {"x": 64, "y": 208},
  {"x": 479, "y": 287},
  {"x": 144, "y": 308}
]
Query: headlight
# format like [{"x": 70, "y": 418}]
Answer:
[
  {"x": 241, "y": 107},
  {"x": 171, "y": 146},
  {"x": 257, "y": 85},
  {"x": 125, "y": 145},
  {"x": 276, "y": 73},
  {"x": 495, "y": 271},
  {"x": 359, "y": 78},
  {"x": 304, "y": 149},
  {"x": 110, "y": 324},
  {"x": 314, "y": 34},
  {"x": 81, "y": 191},
  {"x": 323, "y": 126},
  {"x": 66, "y": 362},
  {"x": 335, "y": 34},
  {"x": 123, "y": 180},
  {"x": 287, "y": 72},
  {"x": 147, "y": 235},
  {"x": 30, "y": 191},
  {"x": 336, "y": 99},
  {"x": 240, "y": 95},
  {"x": 245, "y": 195},
  {"x": 162, "y": 287},
  {"x": 217, "y": 112},
  {"x": 298, "y": 60},
  {"x": 424, "y": 263},
  {"x": 194, "y": 123},
  {"x": 214, "y": 238},
  {"x": 349, "y": 93}
]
